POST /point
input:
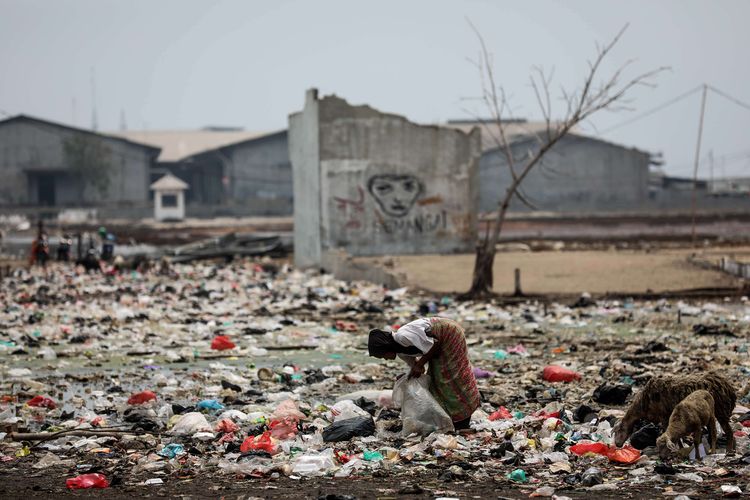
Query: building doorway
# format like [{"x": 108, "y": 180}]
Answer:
[{"x": 46, "y": 189}]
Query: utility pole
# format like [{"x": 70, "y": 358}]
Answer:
[
  {"x": 697, "y": 161},
  {"x": 94, "y": 121},
  {"x": 711, "y": 169}
]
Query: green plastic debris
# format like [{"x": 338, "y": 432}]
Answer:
[
  {"x": 518, "y": 476},
  {"x": 501, "y": 354},
  {"x": 372, "y": 456},
  {"x": 335, "y": 356},
  {"x": 518, "y": 414}
]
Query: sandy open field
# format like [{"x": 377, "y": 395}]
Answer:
[{"x": 598, "y": 272}]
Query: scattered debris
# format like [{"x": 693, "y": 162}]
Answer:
[{"x": 250, "y": 369}]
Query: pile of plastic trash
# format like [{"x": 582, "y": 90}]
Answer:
[{"x": 254, "y": 370}]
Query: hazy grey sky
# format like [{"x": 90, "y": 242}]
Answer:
[{"x": 188, "y": 63}]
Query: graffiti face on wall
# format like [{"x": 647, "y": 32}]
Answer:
[{"x": 396, "y": 194}]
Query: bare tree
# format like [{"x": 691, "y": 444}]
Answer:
[{"x": 595, "y": 94}]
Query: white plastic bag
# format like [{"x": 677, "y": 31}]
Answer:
[
  {"x": 346, "y": 409},
  {"x": 190, "y": 423},
  {"x": 420, "y": 413}
]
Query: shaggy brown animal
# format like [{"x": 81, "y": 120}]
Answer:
[
  {"x": 688, "y": 418},
  {"x": 660, "y": 395}
]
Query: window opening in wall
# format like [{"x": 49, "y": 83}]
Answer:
[{"x": 169, "y": 200}]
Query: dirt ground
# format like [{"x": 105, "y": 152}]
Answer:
[
  {"x": 573, "y": 272},
  {"x": 17, "y": 482}
]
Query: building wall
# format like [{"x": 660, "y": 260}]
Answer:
[
  {"x": 248, "y": 178},
  {"x": 578, "y": 174},
  {"x": 386, "y": 185},
  {"x": 261, "y": 169},
  {"x": 30, "y": 150}
]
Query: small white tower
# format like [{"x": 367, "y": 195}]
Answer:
[{"x": 169, "y": 198}]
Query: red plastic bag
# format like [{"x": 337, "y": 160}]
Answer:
[
  {"x": 583, "y": 448},
  {"x": 222, "y": 343},
  {"x": 229, "y": 437},
  {"x": 554, "y": 373},
  {"x": 141, "y": 397},
  {"x": 625, "y": 455},
  {"x": 544, "y": 414},
  {"x": 286, "y": 428},
  {"x": 262, "y": 442},
  {"x": 226, "y": 425},
  {"x": 87, "y": 481},
  {"x": 342, "y": 457},
  {"x": 41, "y": 402},
  {"x": 345, "y": 326},
  {"x": 501, "y": 414}
]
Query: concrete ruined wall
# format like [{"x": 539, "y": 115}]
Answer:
[
  {"x": 377, "y": 184},
  {"x": 305, "y": 157}
]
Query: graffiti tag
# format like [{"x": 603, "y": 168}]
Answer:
[{"x": 352, "y": 209}]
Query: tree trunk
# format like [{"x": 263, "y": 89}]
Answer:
[{"x": 481, "y": 281}]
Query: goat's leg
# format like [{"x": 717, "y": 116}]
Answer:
[
  {"x": 727, "y": 429},
  {"x": 712, "y": 434},
  {"x": 697, "y": 437}
]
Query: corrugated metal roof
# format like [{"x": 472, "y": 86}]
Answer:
[
  {"x": 491, "y": 131},
  {"x": 33, "y": 120},
  {"x": 178, "y": 144}
]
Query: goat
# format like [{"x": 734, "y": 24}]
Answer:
[
  {"x": 661, "y": 394},
  {"x": 688, "y": 418}
]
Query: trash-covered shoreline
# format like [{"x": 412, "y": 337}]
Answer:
[{"x": 237, "y": 371}]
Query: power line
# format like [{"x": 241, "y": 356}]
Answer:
[
  {"x": 653, "y": 110},
  {"x": 729, "y": 97}
]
